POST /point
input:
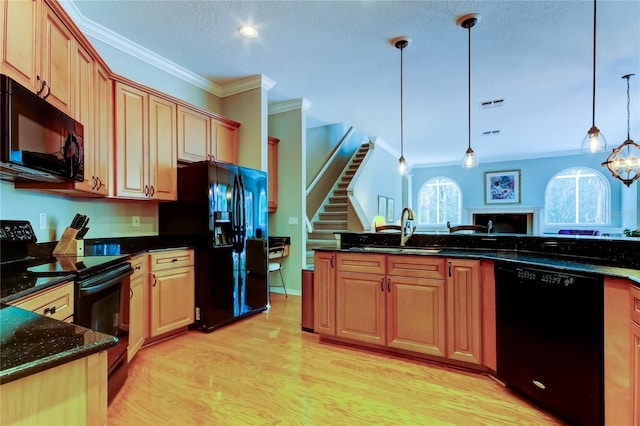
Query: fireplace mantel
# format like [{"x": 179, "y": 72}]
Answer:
[{"x": 526, "y": 214}]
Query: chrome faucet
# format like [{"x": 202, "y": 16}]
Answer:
[{"x": 406, "y": 231}]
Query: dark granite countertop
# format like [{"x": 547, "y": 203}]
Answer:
[
  {"x": 506, "y": 256},
  {"x": 31, "y": 343},
  {"x": 10, "y": 291}
]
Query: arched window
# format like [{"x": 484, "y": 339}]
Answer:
[
  {"x": 439, "y": 201},
  {"x": 577, "y": 196}
]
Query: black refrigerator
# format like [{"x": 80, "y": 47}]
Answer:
[{"x": 222, "y": 211}]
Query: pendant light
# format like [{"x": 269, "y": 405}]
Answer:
[
  {"x": 624, "y": 161},
  {"x": 402, "y": 167},
  {"x": 594, "y": 141},
  {"x": 467, "y": 22}
]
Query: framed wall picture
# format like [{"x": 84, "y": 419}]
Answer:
[
  {"x": 502, "y": 187},
  {"x": 382, "y": 206},
  {"x": 390, "y": 208}
]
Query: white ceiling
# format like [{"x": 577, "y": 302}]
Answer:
[{"x": 536, "y": 55}]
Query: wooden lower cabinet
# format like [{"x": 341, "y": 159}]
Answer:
[
  {"x": 74, "y": 393},
  {"x": 464, "y": 321},
  {"x": 138, "y": 309},
  {"x": 360, "y": 307},
  {"x": 635, "y": 354},
  {"x": 416, "y": 315},
  {"x": 171, "y": 291},
  {"x": 56, "y": 302},
  {"x": 635, "y": 371},
  {"x": 409, "y": 303},
  {"x": 324, "y": 288}
]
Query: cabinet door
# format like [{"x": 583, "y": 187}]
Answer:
[
  {"x": 324, "y": 293},
  {"x": 360, "y": 307},
  {"x": 463, "y": 310},
  {"x": 416, "y": 315},
  {"x": 635, "y": 371},
  {"x": 172, "y": 300},
  {"x": 194, "y": 135},
  {"x": 131, "y": 142},
  {"x": 103, "y": 147},
  {"x": 272, "y": 174},
  {"x": 57, "y": 61},
  {"x": 224, "y": 145},
  {"x": 163, "y": 164},
  {"x": 137, "y": 306},
  {"x": 83, "y": 106},
  {"x": 20, "y": 34}
]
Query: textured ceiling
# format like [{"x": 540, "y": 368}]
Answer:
[{"x": 536, "y": 55}]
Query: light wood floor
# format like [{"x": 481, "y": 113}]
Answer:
[{"x": 265, "y": 371}]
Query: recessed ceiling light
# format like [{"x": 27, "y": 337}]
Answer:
[{"x": 248, "y": 31}]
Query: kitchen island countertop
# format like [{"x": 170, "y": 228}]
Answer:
[{"x": 31, "y": 343}]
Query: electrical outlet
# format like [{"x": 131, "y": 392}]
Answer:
[
  {"x": 135, "y": 221},
  {"x": 43, "y": 221}
]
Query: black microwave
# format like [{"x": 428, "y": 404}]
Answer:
[{"x": 39, "y": 142}]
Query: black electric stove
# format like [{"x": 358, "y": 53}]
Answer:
[{"x": 101, "y": 289}]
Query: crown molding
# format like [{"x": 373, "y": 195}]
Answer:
[
  {"x": 115, "y": 40},
  {"x": 291, "y": 105},
  {"x": 249, "y": 83}
]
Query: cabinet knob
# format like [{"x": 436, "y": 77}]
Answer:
[
  {"x": 155, "y": 280},
  {"x": 382, "y": 285},
  {"x": 152, "y": 191},
  {"x": 50, "y": 311},
  {"x": 146, "y": 190}
]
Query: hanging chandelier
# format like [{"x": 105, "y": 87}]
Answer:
[
  {"x": 624, "y": 161},
  {"x": 402, "y": 167},
  {"x": 467, "y": 22},
  {"x": 594, "y": 141}
]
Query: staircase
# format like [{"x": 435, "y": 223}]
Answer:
[{"x": 333, "y": 215}]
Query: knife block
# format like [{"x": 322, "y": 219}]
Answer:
[{"x": 68, "y": 245}]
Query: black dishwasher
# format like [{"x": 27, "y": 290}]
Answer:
[{"x": 549, "y": 335}]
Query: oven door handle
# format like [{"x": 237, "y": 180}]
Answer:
[{"x": 103, "y": 285}]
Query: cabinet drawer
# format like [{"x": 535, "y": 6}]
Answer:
[
  {"x": 56, "y": 302},
  {"x": 416, "y": 266},
  {"x": 170, "y": 259},
  {"x": 635, "y": 304},
  {"x": 138, "y": 263},
  {"x": 362, "y": 263}
]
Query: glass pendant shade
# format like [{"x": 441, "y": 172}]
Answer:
[
  {"x": 402, "y": 167},
  {"x": 594, "y": 141},
  {"x": 470, "y": 159}
]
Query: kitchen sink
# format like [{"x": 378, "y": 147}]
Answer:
[
  {"x": 381, "y": 249},
  {"x": 419, "y": 250},
  {"x": 392, "y": 250}
]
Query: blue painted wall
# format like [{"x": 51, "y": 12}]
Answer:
[{"x": 535, "y": 173}]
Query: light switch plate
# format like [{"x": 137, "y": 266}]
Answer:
[
  {"x": 43, "y": 221},
  {"x": 293, "y": 221}
]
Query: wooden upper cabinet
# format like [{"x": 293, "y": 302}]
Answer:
[
  {"x": 194, "y": 135},
  {"x": 204, "y": 137},
  {"x": 224, "y": 142},
  {"x": 146, "y": 165},
  {"x": 163, "y": 163},
  {"x": 132, "y": 136},
  {"x": 58, "y": 46},
  {"x": 102, "y": 148},
  {"x": 20, "y": 35},
  {"x": 38, "y": 47},
  {"x": 84, "y": 112},
  {"x": 272, "y": 175}
]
